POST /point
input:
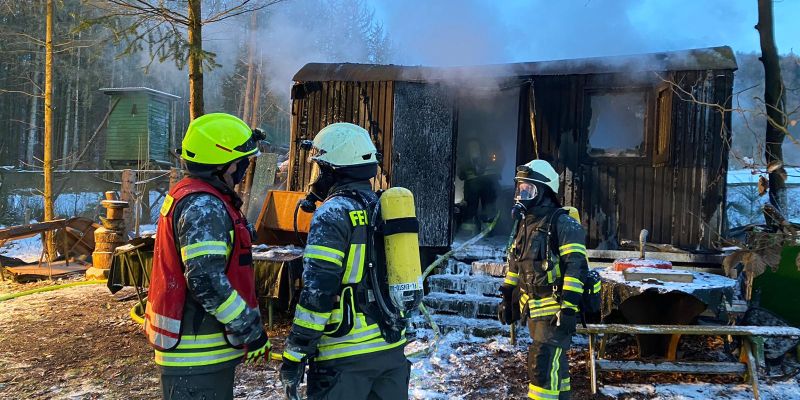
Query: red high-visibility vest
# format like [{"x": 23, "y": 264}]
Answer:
[{"x": 167, "y": 292}]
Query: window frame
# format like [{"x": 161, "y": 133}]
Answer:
[
  {"x": 645, "y": 155},
  {"x": 662, "y": 158}
]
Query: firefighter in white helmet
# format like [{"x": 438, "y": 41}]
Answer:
[
  {"x": 547, "y": 269},
  {"x": 352, "y": 352}
]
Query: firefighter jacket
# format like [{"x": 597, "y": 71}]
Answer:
[
  {"x": 548, "y": 282},
  {"x": 330, "y": 322},
  {"x": 202, "y": 304}
]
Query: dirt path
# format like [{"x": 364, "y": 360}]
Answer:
[{"x": 79, "y": 343}]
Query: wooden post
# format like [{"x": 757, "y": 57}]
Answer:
[
  {"x": 174, "y": 176},
  {"x": 592, "y": 366},
  {"x": 49, "y": 215},
  {"x": 128, "y": 193},
  {"x": 775, "y": 99},
  {"x": 752, "y": 369},
  {"x": 195, "y": 62}
]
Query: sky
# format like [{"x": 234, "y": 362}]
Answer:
[{"x": 460, "y": 32}]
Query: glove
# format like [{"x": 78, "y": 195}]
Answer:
[
  {"x": 505, "y": 311},
  {"x": 291, "y": 375},
  {"x": 257, "y": 350}
]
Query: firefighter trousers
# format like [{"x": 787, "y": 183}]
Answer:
[
  {"x": 548, "y": 365},
  {"x": 216, "y": 385},
  {"x": 382, "y": 375}
]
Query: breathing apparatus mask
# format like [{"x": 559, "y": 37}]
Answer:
[
  {"x": 241, "y": 170},
  {"x": 525, "y": 193}
]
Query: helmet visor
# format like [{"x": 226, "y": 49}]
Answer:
[
  {"x": 251, "y": 145},
  {"x": 314, "y": 173},
  {"x": 525, "y": 191}
]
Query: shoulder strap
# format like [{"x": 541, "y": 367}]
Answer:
[{"x": 553, "y": 220}]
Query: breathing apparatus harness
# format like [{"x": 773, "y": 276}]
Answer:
[{"x": 373, "y": 296}]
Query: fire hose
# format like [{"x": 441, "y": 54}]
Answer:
[
  {"x": 427, "y": 350},
  {"x": 49, "y": 288}
]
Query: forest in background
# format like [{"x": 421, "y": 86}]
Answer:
[
  {"x": 90, "y": 53},
  {"x": 90, "y": 56}
]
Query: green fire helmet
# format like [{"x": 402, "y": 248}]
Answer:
[{"x": 218, "y": 139}]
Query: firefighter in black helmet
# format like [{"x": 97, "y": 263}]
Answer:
[{"x": 547, "y": 263}]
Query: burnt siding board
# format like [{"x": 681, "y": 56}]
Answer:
[
  {"x": 670, "y": 201},
  {"x": 318, "y": 104},
  {"x": 423, "y": 155},
  {"x": 680, "y": 202}
]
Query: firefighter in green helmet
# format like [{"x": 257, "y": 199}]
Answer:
[{"x": 202, "y": 314}]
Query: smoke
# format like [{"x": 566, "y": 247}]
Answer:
[
  {"x": 482, "y": 32},
  {"x": 299, "y": 32}
]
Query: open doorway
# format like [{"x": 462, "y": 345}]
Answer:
[{"x": 485, "y": 158}]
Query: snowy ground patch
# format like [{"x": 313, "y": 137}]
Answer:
[
  {"x": 27, "y": 249},
  {"x": 703, "y": 391}
]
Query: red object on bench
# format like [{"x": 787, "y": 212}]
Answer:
[{"x": 625, "y": 263}]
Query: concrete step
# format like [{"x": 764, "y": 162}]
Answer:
[
  {"x": 489, "y": 267},
  {"x": 456, "y": 323},
  {"x": 479, "y": 251},
  {"x": 465, "y": 284},
  {"x": 465, "y": 305},
  {"x": 455, "y": 267}
]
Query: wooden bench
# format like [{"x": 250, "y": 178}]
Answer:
[{"x": 751, "y": 353}]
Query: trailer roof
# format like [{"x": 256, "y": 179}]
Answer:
[
  {"x": 714, "y": 58},
  {"x": 154, "y": 92}
]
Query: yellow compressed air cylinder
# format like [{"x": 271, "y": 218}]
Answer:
[
  {"x": 573, "y": 212},
  {"x": 401, "y": 243}
]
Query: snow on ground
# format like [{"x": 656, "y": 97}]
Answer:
[
  {"x": 703, "y": 391},
  {"x": 744, "y": 203},
  {"x": 28, "y": 249}
]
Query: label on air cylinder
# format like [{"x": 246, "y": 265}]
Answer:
[{"x": 402, "y": 287}]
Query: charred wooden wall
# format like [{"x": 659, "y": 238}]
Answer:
[
  {"x": 318, "y": 104},
  {"x": 680, "y": 200},
  {"x": 424, "y": 155}
]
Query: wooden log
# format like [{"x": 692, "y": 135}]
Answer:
[
  {"x": 711, "y": 368},
  {"x": 22, "y": 231},
  {"x": 128, "y": 193}
]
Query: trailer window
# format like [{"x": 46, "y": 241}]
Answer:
[{"x": 617, "y": 123}]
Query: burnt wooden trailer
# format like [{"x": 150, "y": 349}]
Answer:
[{"x": 640, "y": 141}]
